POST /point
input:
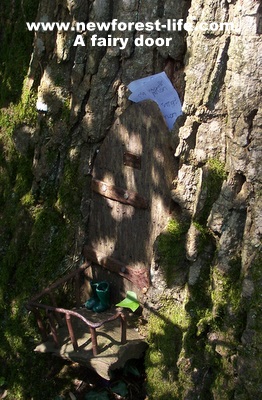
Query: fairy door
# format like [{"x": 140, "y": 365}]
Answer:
[{"x": 131, "y": 184}]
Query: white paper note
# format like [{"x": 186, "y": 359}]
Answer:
[{"x": 159, "y": 89}]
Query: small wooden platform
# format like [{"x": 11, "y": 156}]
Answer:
[{"x": 112, "y": 354}]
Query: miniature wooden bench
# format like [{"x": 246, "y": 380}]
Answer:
[{"x": 103, "y": 341}]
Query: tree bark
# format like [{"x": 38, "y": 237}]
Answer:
[{"x": 216, "y": 190}]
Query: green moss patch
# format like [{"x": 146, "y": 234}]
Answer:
[
  {"x": 215, "y": 176},
  {"x": 195, "y": 344},
  {"x": 35, "y": 240},
  {"x": 171, "y": 250},
  {"x": 166, "y": 329}
]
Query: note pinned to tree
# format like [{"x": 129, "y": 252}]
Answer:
[{"x": 159, "y": 89}]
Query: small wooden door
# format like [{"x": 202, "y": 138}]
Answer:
[{"x": 132, "y": 178}]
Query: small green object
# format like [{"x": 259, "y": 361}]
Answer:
[
  {"x": 102, "y": 291},
  {"x": 100, "y": 301},
  {"x": 2, "y": 381},
  {"x": 130, "y": 301},
  {"x": 94, "y": 300}
]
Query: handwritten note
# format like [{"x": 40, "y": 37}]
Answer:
[{"x": 159, "y": 89}]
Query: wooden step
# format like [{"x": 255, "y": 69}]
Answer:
[{"x": 112, "y": 354}]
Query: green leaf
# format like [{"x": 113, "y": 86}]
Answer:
[
  {"x": 2, "y": 380},
  {"x": 130, "y": 301}
]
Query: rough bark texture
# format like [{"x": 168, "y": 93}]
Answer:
[{"x": 216, "y": 283}]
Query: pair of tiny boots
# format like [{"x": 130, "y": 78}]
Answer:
[{"x": 100, "y": 301}]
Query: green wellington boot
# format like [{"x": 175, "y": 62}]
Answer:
[
  {"x": 102, "y": 291},
  {"x": 94, "y": 300}
]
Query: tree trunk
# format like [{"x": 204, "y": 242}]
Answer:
[{"x": 203, "y": 301}]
